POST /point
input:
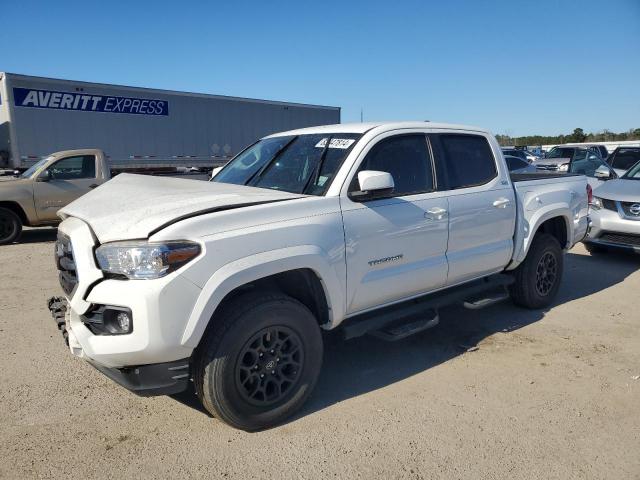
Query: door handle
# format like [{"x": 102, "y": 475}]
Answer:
[
  {"x": 93, "y": 185},
  {"x": 435, "y": 213},
  {"x": 501, "y": 203}
]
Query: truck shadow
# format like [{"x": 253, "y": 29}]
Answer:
[
  {"x": 38, "y": 235},
  {"x": 356, "y": 367},
  {"x": 362, "y": 365}
]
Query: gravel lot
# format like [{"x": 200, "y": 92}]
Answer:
[{"x": 551, "y": 394}]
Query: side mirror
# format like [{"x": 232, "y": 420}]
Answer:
[
  {"x": 44, "y": 176},
  {"x": 373, "y": 185},
  {"x": 603, "y": 173}
]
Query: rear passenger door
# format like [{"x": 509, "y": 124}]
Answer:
[
  {"x": 482, "y": 207},
  {"x": 395, "y": 246}
]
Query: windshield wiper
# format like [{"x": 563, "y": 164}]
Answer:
[
  {"x": 316, "y": 171},
  {"x": 258, "y": 174}
]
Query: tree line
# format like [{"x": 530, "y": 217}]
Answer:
[{"x": 578, "y": 136}]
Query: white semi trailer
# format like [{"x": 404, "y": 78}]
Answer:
[{"x": 137, "y": 128}]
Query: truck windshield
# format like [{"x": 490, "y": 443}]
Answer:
[
  {"x": 560, "y": 153},
  {"x": 296, "y": 164},
  {"x": 33, "y": 168}
]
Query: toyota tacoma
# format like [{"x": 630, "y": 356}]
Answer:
[{"x": 370, "y": 228}]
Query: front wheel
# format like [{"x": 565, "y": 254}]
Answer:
[
  {"x": 259, "y": 362},
  {"x": 10, "y": 226},
  {"x": 537, "y": 279}
]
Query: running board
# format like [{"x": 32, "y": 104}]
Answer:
[
  {"x": 379, "y": 319},
  {"x": 486, "y": 301},
  {"x": 407, "y": 327}
]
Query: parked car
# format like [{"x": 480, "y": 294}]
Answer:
[
  {"x": 594, "y": 168},
  {"x": 370, "y": 228},
  {"x": 601, "y": 149},
  {"x": 596, "y": 147},
  {"x": 615, "y": 214},
  {"x": 34, "y": 197},
  {"x": 623, "y": 158},
  {"x": 522, "y": 154},
  {"x": 518, "y": 165},
  {"x": 559, "y": 158}
]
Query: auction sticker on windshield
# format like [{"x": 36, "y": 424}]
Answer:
[{"x": 342, "y": 143}]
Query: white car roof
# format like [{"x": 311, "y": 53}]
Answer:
[{"x": 380, "y": 127}]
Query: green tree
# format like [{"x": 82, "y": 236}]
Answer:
[{"x": 578, "y": 136}]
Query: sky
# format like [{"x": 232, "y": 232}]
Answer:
[{"x": 516, "y": 67}]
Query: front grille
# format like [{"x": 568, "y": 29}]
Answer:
[
  {"x": 609, "y": 205},
  {"x": 620, "y": 238},
  {"x": 626, "y": 208},
  {"x": 547, "y": 166},
  {"x": 66, "y": 265}
]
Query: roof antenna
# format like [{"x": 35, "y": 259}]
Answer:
[{"x": 361, "y": 114}]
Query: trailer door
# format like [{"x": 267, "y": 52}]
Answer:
[{"x": 63, "y": 182}]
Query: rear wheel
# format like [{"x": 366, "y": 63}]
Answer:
[
  {"x": 10, "y": 226},
  {"x": 260, "y": 362},
  {"x": 537, "y": 279}
]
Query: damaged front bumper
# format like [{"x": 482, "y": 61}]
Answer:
[{"x": 165, "y": 378}]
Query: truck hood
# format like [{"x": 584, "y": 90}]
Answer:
[
  {"x": 135, "y": 206},
  {"x": 552, "y": 161},
  {"x": 620, "y": 189}
]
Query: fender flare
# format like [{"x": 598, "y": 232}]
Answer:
[
  {"x": 549, "y": 212},
  {"x": 261, "y": 265}
]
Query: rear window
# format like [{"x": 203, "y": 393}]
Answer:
[
  {"x": 468, "y": 160},
  {"x": 624, "y": 159}
]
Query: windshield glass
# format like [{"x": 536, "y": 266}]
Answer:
[
  {"x": 633, "y": 173},
  {"x": 31, "y": 170},
  {"x": 624, "y": 159},
  {"x": 560, "y": 153},
  {"x": 296, "y": 164}
]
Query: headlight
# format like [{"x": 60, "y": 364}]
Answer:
[
  {"x": 145, "y": 260},
  {"x": 564, "y": 167},
  {"x": 596, "y": 203}
]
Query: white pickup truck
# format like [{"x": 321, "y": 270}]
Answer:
[{"x": 367, "y": 227}]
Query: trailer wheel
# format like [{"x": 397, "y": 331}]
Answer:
[
  {"x": 260, "y": 362},
  {"x": 10, "y": 226},
  {"x": 537, "y": 279}
]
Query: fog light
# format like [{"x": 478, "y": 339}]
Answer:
[
  {"x": 117, "y": 320},
  {"x": 124, "y": 321}
]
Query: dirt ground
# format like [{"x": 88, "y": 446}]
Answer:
[{"x": 552, "y": 394}]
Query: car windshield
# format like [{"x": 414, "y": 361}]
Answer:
[
  {"x": 625, "y": 158},
  {"x": 32, "y": 169},
  {"x": 296, "y": 164},
  {"x": 633, "y": 173},
  {"x": 557, "y": 152}
]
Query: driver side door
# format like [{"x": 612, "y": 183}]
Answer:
[
  {"x": 396, "y": 246},
  {"x": 63, "y": 182}
]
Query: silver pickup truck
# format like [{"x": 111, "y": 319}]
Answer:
[{"x": 370, "y": 228}]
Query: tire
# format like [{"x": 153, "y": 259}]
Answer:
[
  {"x": 10, "y": 226},
  {"x": 538, "y": 278},
  {"x": 594, "y": 249},
  {"x": 228, "y": 364}
]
